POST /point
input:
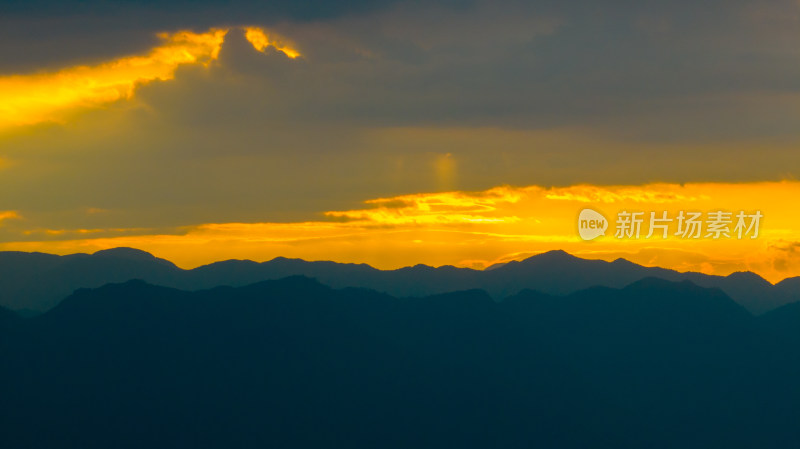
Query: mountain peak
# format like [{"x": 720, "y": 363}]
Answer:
[
  {"x": 557, "y": 255},
  {"x": 130, "y": 254},
  {"x": 623, "y": 261},
  {"x": 125, "y": 252},
  {"x": 748, "y": 276}
]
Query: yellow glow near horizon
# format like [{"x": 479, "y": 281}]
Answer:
[
  {"x": 477, "y": 229},
  {"x": 433, "y": 208}
]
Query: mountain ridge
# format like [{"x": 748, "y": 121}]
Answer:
[
  {"x": 601, "y": 367},
  {"x": 38, "y": 281}
]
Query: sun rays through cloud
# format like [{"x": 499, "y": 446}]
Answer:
[{"x": 27, "y": 99}]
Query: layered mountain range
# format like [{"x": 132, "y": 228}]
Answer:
[
  {"x": 35, "y": 282},
  {"x": 293, "y": 363}
]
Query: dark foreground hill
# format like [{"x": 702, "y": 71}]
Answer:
[
  {"x": 37, "y": 282},
  {"x": 294, "y": 364}
]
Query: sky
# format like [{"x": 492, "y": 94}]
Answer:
[{"x": 399, "y": 132}]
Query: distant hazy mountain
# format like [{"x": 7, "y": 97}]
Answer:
[
  {"x": 294, "y": 364},
  {"x": 7, "y": 316},
  {"x": 39, "y": 281}
]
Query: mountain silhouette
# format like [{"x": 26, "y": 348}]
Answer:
[
  {"x": 294, "y": 363},
  {"x": 7, "y": 316},
  {"x": 37, "y": 282}
]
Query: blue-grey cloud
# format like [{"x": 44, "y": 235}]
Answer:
[{"x": 548, "y": 93}]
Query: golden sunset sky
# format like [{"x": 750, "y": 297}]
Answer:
[{"x": 400, "y": 133}]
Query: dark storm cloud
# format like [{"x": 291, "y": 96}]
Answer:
[
  {"x": 598, "y": 57},
  {"x": 548, "y": 93},
  {"x": 198, "y": 10},
  {"x": 41, "y": 34},
  {"x": 660, "y": 71}
]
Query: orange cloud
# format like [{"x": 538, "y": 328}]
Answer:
[
  {"x": 478, "y": 229},
  {"x": 30, "y": 99},
  {"x": 434, "y": 208},
  {"x": 51, "y": 97},
  {"x": 261, "y": 39},
  {"x": 7, "y": 214},
  {"x": 654, "y": 193}
]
